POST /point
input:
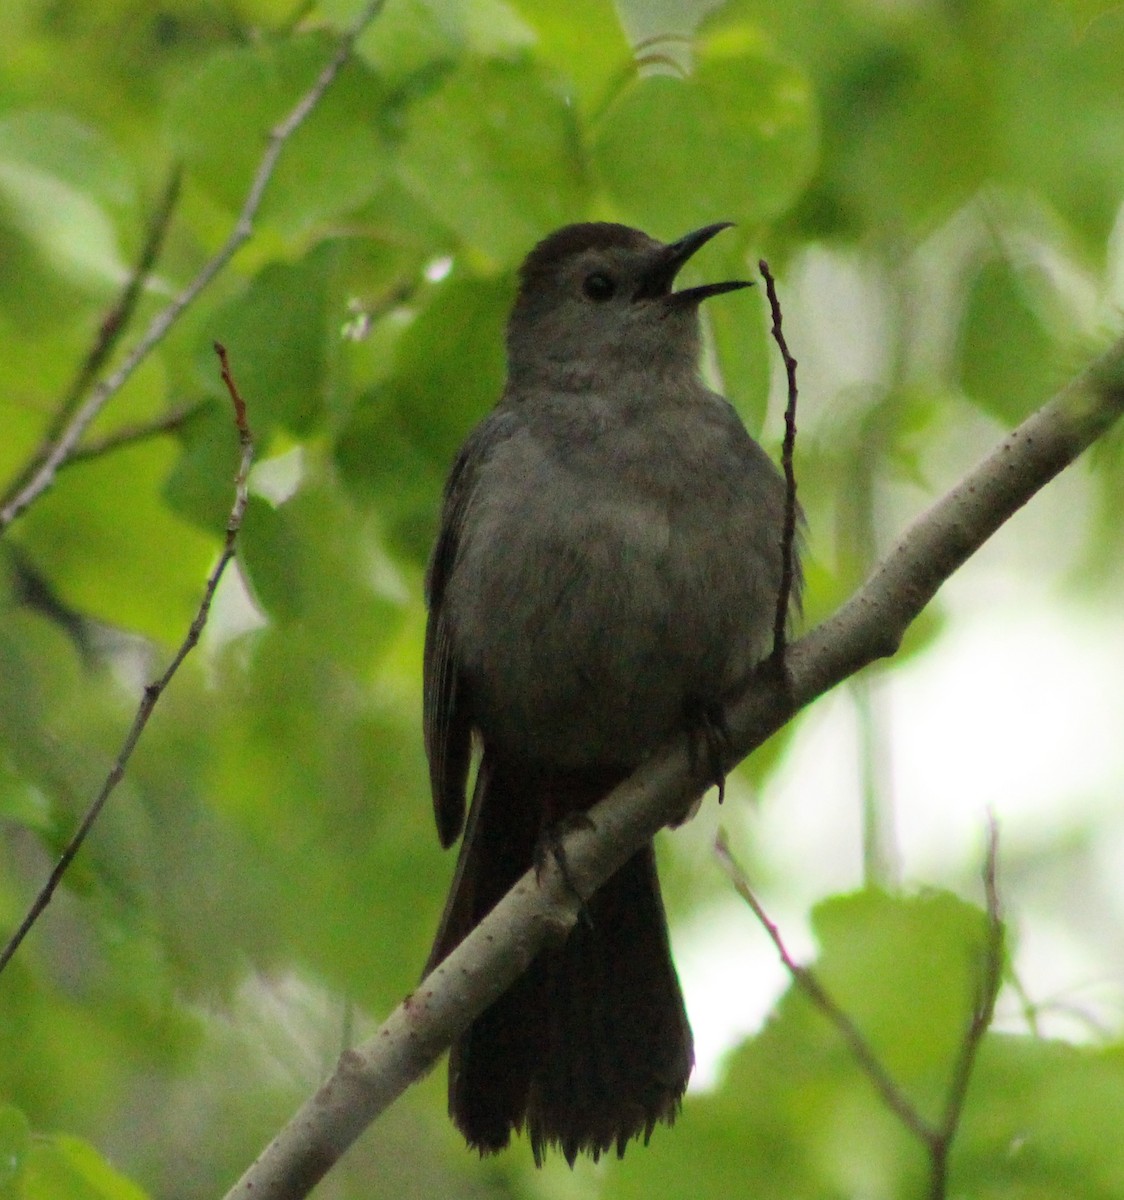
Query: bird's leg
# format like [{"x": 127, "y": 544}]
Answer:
[
  {"x": 550, "y": 846},
  {"x": 774, "y": 669},
  {"x": 708, "y": 743}
]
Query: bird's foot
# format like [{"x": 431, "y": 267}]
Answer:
[
  {"x": 551, "y": 847},
  {"x": 774, "y": 669},
  {"x": 708, "y": 743}
]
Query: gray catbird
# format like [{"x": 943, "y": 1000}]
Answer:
[{"x": 606, "y": 573}]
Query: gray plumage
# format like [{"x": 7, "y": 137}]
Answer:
[{"x": 606, "y": 572}]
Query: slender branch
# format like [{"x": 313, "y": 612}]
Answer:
[
  {"x": 65, "y": 444},
  {"x": 936, "y": 1138},
  {"x": 156, "y": 689},
  {"x": 1030, "y": 1009},
  {"x": 129, "y": 435},
  {"x": 870, "y": 625},
  {"x": 982, "y": 1011},
  {"x": 109, "y": 332},
  {"x": 244, "y": 439},
  {"x": 117, "y": 319},
  {"x": 788, "y": 533},
  {"x": 809, "y": 984}
]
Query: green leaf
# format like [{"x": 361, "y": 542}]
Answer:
[
  {"x": 56, "y": 231},
  {"x": 15, "y": 1141},
  {"x": 1041, "y": 1116},
  {"x": 411, "y": 37},
  {"x": 113, "y": 550},
  {"x": 71, "y": 151},
  {"x": 796, "y": 1117},
  {"x": 926, "y": 954},
  {"x": 62, "y": 1167},
  {"x": 448, "y": 372},
  {"x": 385, "y": 469},
  {"x": 342, "y": 818},
  {"x": 1006, "y": 351},
  {"x": 21, "y": 803},
  {"x": 745, "y": 353},
  {"x": 311, "y": 566},
  {"x": 736, "y": 140},
  {"x": 200, "y": 487},
  {"x": 584, "y": 42},
  {"x": 331, "y": 165},
  {"x": 276, "y": 334},
  {"x": 496, "y": 154},
  {"x": 449, "y": 364},
  {"x": 1058, "y": 120}
]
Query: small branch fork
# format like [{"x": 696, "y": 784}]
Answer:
[
  {"x": 156, "y": 689},
  {"x": 51, "y": 457},
  {"x": 788, "y": 534},
  {"x": 936, "y": 1137}
]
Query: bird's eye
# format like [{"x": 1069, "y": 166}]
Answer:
[{"x": 598, "y": 287}]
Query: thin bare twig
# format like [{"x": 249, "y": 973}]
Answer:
[
  {"x": 982, "y": 1011},
  {"x": 936, "y": 1138},
  {"x": 129, "y": 435},
  {"x": 788, "y": 534},
  {"x": 156, "y": 689},
  {"x": 68, "y": 439},
  {"x": 806, "y": 980},
  {"x": 109, "y": 332}
]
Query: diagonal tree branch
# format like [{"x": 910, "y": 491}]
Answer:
[
  {"x": 67, "y": 440},
  {"x": 868, "y": 627},
  {"x": 152, "y": 693}
]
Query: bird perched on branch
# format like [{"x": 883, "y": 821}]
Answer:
[{"x": 606, "y": 573}]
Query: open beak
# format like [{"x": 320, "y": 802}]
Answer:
[{"x": 658, "y": 279}]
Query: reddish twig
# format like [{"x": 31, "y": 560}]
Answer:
[
  {"x": 806, "y": 980},
  {"x": 936, "y": 1138},
  {"x": 788, "y": 534},
  {"x": 239, "y": 404},
  {"x": 156, "y": 689}
]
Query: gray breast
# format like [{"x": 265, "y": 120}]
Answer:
[{"x": 597, "y": 595}]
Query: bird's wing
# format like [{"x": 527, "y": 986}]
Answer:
[{"x": 447, "y": 717}]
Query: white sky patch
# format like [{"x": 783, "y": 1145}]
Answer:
[{"x": 1014, "y": 711}]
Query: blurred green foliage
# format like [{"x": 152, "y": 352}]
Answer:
[{"x": 269, "y": 862}]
